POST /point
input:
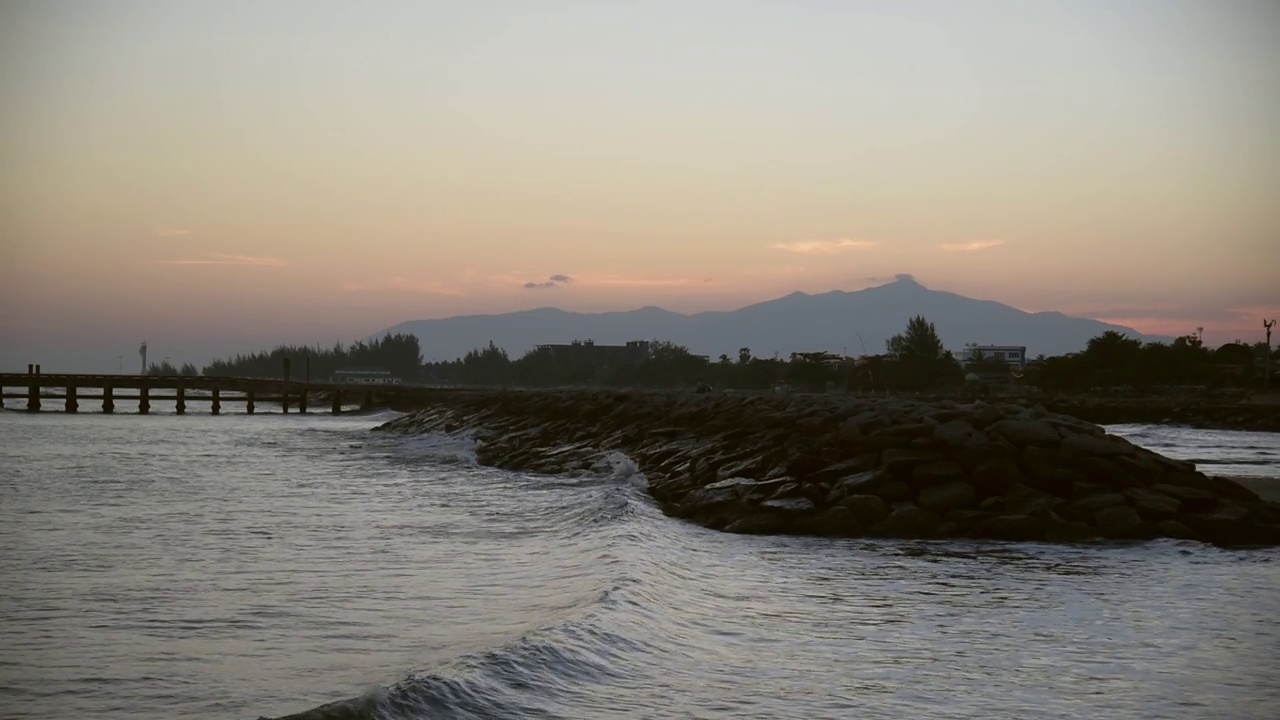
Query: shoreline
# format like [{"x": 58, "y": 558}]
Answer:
[{"x": 853, "y": 467}]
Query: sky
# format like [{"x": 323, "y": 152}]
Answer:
[{"x": 216, "y": 177}]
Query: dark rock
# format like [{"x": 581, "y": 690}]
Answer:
[
  {"x": 995, "y": 476},
  {"x": 765, "y": 489},
  {"x": 1099, "y": 446},
  {"x": 1067, "y": 424},
  {"x": 865, "y": 483},
  {"x": 786, "y": 490},
  {"x": 877, "y": 443},
  {"x": 1023, "y": 500},
  {"x": 902, "y": 461},
  {"x": 971, "y": 457},
  {"x": 1192, "y": 499},
  {"x": 1094, "y": 503},
  {"x": 966, "y": 518},
  {"x": 955, "y": 433},
  {"x": 1010, "y": 527},
  {"x": 789, "y": 505},
  {"x": 1192, "y": 479},
  {"x": 1228, "y": 524},
  {"x": 1152, "y": 505},
  {"x": 908, "y": 522},
  {"x": 1056, "y": 529},
  {"x": 911, "y": 431},
  {"x": 1105, "y": 472},
  {"x": 703, "y": 500},
  {"x": 843, "y": 469},
  {"x": 956, "y": 495},
  {"x": 1046, "y": 472},
  {"x": 1119, "y": 521},
  {"x": 1084, "y": 489},
  {"x": 993, "y": 504},
  {"x": 1140, "y": 467},
  {"x": 802, "y": 464},
  {"x": 868, "y": 509},
  {"x": 752, "y": 467},
  {"x": 894, "y": 491},
  {"x": 1026, "y": 432},
  {"x": 834, "y": 522},
  {"x": 936, "y": 473},
  {"x": 1232, "y": 490},
  {"x": 756, "y": 524},
  {"x": 1174, "y": 529}
]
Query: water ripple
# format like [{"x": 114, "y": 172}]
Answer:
[{"x": 237, "y": 567}]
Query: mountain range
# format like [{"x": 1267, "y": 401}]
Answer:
[{"x": 852, "y": 323}]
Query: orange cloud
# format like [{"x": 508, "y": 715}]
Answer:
[
  {"x": 397, "y": 283},
  {"x": 171, "y": 233},
  {"x": 974, "y": 246},
  {"x": 824, "y": 247},
  {"x": 623, "y": 281},
  {"x": 222, "y": 259}
]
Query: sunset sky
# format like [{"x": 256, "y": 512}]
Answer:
[{"x": 223, "y": 176}]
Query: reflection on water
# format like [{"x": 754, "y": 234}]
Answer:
[{"x": 236, "y": 567}]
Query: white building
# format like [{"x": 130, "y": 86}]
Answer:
[{"x": 1015, "y": 355}]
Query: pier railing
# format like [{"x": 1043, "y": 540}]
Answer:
[{"x": 72, "y": 390}]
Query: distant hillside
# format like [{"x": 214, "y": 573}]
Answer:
[{"x": 837, "y": 321}]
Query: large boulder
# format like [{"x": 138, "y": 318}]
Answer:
[
  {"x": 1026, "y": 432},
  {"x": 995, "y": 476},
  {"x": 868, "y": 509},
  {"x": 1119, "y": 521},
  {"x": 908, "y": 521},
  {"x": 1151, "y": 505},
  {"x": 955, "y": 495},
  {"x": 936, "y": 473}
]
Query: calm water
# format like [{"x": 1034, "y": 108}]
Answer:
[{"x": 185, "y": 567}]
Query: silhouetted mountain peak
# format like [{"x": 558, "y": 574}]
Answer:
[{"x": 835, "y": 321}]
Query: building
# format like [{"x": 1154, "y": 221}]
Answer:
[
  {"x": 364, "y": 376},
  {"x": 1014, "y": 355},
  {"x": 633, "y": 353}
]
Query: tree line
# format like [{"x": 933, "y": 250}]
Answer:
[
  {"x": 913, "y": 361},
  {"x": 399, "y": 353}
]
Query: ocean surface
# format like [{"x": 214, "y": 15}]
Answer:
[{"x": 241, "y": 566}]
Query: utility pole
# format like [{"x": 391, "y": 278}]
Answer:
[{"x": 1266, "y": 361}]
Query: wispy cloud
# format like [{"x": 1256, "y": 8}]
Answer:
[
  {"x": 1186, "y": 314},
  {"x": 222, "y": 259},
  {"x": 974, "y": 246},
  {"x": 551, "y": 282},
  {"x": 824, "y": 247},
  {"x": 398, "y": 283},
  {"x": 624, "y": 281},
  {"x": 171, "y": 232}
]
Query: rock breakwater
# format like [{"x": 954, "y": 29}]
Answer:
[{"x": 856, "y": 467}]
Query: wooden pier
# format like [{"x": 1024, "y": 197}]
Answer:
[{"x": 40, "y": 390}]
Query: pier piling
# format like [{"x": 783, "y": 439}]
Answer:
[
  {"x": 108, "y": 402},
  {"x": 216, "y": 406},
  {"x": 248, "y": 402},
  {"x": 182, "y": 400},
  {"x": 337, "y": 403},
  {"x": 73, "y": 405},
  {"x": 144, "y": 399},
  {"x": 33, "y": 390}
]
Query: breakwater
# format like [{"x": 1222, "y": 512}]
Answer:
[{"x": 848, "y": 467}]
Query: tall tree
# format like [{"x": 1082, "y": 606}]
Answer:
[{"x": 919, "y": 358}]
